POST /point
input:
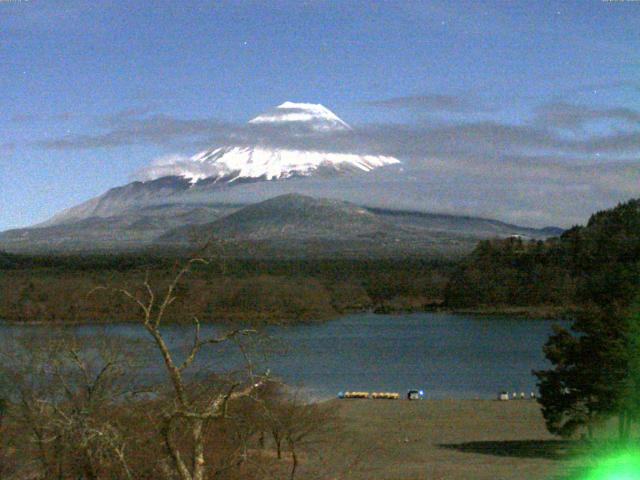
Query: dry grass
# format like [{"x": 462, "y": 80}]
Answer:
[{"x": 446, "y": 439}]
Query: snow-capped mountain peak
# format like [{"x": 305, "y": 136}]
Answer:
[
  {"x": 236, "y": 163},
  {"x": 259, "y": 161},
  {"x": 317, "y": 116}
]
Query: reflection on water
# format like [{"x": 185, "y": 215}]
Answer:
[{"x": 447, "y": 355}]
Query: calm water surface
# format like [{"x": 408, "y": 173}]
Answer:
[{"x": 449, "y": 356}]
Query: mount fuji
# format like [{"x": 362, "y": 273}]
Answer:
[
  {"x": 177, "y": 179},
  {"x": 238, "y": 163},
  {"x": 179, "y": 195}
]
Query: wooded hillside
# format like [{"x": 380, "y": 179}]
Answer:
[{"x": 599, "y": 262}]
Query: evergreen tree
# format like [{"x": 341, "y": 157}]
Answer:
[{"x": 596, "y": 371}]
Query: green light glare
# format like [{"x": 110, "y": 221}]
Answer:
[{"x": 620, "y": 466}]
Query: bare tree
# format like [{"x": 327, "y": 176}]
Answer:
[
  {"x": 62, "y": 389},
  {"x": 193, "y": 407},
  {"x": 295, "y": 425}
]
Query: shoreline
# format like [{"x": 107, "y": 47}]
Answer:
[
  {"x": 531, "y": 313},
  {"x": 526, "y": 313}
]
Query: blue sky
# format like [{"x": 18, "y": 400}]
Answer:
[{"x": 92, "y": 92}]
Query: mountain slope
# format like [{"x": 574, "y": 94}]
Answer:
[
  {"x": 297, "y": 225},
  {"x": 130, "y": 229},
  {"x": 289, "y": 216},
  {"x": 286, "y": 223},
  {"x": 118, "y": 200}
]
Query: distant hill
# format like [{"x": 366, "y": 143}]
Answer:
[
  {"x": 289, "y": 216},
  {"x": 476, "y": 226},
  {"x": 295, "y": 223},
  {"x": 290, "y": 224}
]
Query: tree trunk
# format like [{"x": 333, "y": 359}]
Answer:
[
  {"x": 627, "y": 427},
  {"x": 621, "y": 425},
  {"x": 294, "y": 460},
  {"x": 174, "y": 453},
  {"x": 88, "y": 469},
  {"x": 198, "y": 450},
  {"x": 278, "y": 441}
]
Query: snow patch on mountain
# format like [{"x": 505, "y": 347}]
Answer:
[
  {"x": 317, "y": 116},
  {"x": 231, "y": 163}
]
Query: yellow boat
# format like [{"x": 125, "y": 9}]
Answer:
[
  {"x": 385, "y": 395},
  {"x": 356, "y": 395}
]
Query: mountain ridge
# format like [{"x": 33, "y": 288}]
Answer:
[
  {"x": 287, "y": 220},
  {"x": 290, "y": 216}
]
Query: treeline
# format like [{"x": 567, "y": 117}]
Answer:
[
  {"x": 563, "y": 274},
  {"x": 78, "y": 262},
  {"x": 57, "y": 288},
  {"x": 596, "y": 263}
]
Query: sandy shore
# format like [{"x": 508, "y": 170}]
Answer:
[{"x": 444, "y": 439}]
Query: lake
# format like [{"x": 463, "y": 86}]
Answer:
[{"x": 446, "y": 355}]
